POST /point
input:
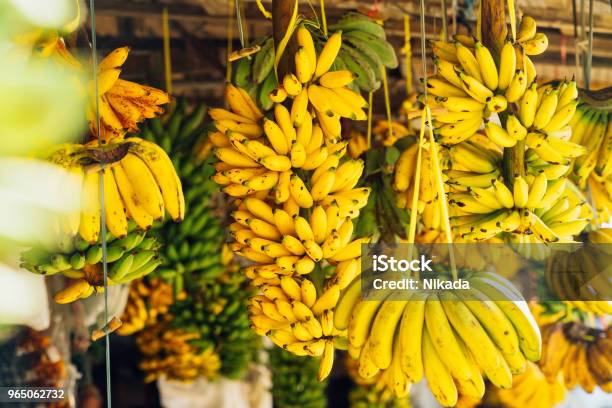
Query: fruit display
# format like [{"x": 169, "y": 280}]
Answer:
[
  {"x": 240, "y": 239},
  {"x": 294, "y": 380},
  {"x": 204, "y": 333},
  {"x": 128, "y": 258},
  {"x": 192, "y": 248},
  {"x": 295, "y": 198},
  {"x": 579, "y": 352},
  {"x": 364, "y": 52},
  {"x": 533, "y": 388}
]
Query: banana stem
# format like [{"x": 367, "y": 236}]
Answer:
[
  {"x": 323, "y": 18},
  {"x": 514, "y": 162}
]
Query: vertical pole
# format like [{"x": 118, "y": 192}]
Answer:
[{"x": 494, "y": 30}]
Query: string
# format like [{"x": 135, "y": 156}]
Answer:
[
  {"x": 167, "y": 56},
  {"x": 408, "y": 56},
  {"x": 239, "y": 21},
  {"x": 369, "y": 135},
  {"x": 230, "y": 36},
  {"x": 383, "y": 71},
  {"x": 589, "y": 57},
  {"x": 94, "y": 58},
  {"x": 323, "y": 18},
  {"x": 444, "y": 22},
  {"x": 426, "y": 121}
]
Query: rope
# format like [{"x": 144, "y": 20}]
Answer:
[
  {"x": 589, "y": 56},
  {"x": 383, "y": 72},
  {"x": 239, "y": 21},
  {"x": 230, "y": 42},
  {"x": 426, "y": 121},
  {"x": 323, "y": 18},
  {"x": 408, "y": 56},
  {"x": 167, "y": 56},
  {"x": 369, "y": 135},
  {"x": 444, "y": 22},
  {"x": 94, "y": 59}
]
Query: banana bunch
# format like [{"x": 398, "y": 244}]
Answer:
[
  {"x": 533, "y": 388},
  {"x": 364, "y": 51},
  {"x": 147, "y": 300},
  {"x": 122, "y": 104},
  {"x": 455, "y": 343},
  {"x": 140, "y": 182},
  {"x": 357, "y": 144},
  {"x": 168, "y": 353},
  {"x": 193, "y": 246},
  {"x": 534, "y": 209},
  {"x": 129, "y": 258},
  {"x": 374, "y": 391},
  {"x": 532, "y": 42},
  {"x": 296, "y": 198},
  {"x": 591, "y": 128},
  {"x": 294, "y": 383},
  {"x": 391, "y": 133},
  {"x": 216, "y": 310},
  {"x": 576, "y": 277},
  {"x": 581, "y": 353}
]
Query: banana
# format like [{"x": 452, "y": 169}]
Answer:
[
  {"x": 444, "y": 339},
  {"x": 447, "y": 70},
  {"x": 346, "y": 304},
  {"x": 517, "y": 87},
  {"x": 517, "y": 311},
  {"x": 527, "y": 29},
  {"x": 536, "y": 45},
  {"x": 461, "y": 104},
  {"x": 361, "y": 319},
  {"x": 528, "y": 106},
  {"x": 507, "y": 66},
  {"x": 328, "y": 54},
  {"x": 503, "y": 194},
  {"x": 486, "y": 64},
  {"x": 493, "y": 320},
  {"x": 520, "y": 192},
  {"x": 89, "y": 225},
  {"x": 411, "y": 325},
  {"x": 114, "y": 207},
  {"x": 165, "y": 175},
  {"x": 537, "y": 190},
  {"x": 499, "y": 135},
  {"x": 547, "y": 109},
  {"x": 131, "y": 200},
  {"x": 241, "y": 105},
  {"x": 442, "y": 88},
  {"x": 475, "y": 88},
  {"x": 488, "y": 357},
  {"x": 469, "y": 63},
  {"x": 514, "y": 127},
  {"x": 497, "y": 103},
  {"x": 383, "y": 332},
  {"x": 438, "y": 376},
  {"x": 144, "y": 184},
  {"x": 561, "y": 118},
  {"x": 75, "y": 291}
]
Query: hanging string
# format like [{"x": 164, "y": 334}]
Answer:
[
  {"x": 479, "y": 22},
  {"x": 408, "y": 54},
  {"x": 589, "y": 56},
  {"x": 426, "y": 121},
  {"x": 167, "y": 56},
  {"x": 417, "y": 184},
  {"x": 94, "y": 59},
  {"x": 263, "y": 10},
  {"x": 323, "y": 18},
  {"x": 369, "y": 134},
  {"x": 383, "y": 71},
  {"x": 239, "y": 21},
  {"x": 230, "y": 37},
  {"x": 444, "y": 22}
]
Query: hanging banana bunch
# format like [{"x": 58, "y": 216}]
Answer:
[
  {"x": 294, "y": 382},
  {"x": 129, "y": 258},
  {"x": 374, "y": 392},
  {"x": 580, "y": 353},
  {"x": 364, "y": 52},
  {"x": 211, "y": 326},
  {"x": 296, "y": 197},
  {"x": 192, "y": 248},
  {"x": 533, "y": 388},
  {"x": 148, "y": 299},
  {"x": 122, "y": 104}
]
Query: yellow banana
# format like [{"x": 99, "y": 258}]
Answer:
[
  {"x": 328, "y": 54},
  {"x": 507, "y": 66}
]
